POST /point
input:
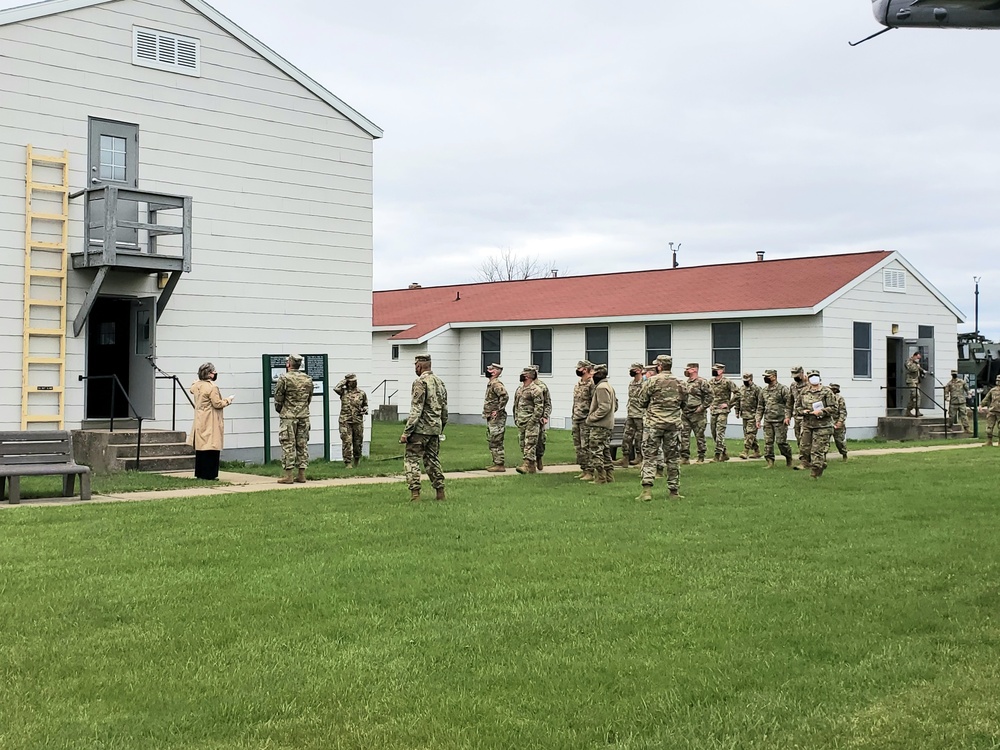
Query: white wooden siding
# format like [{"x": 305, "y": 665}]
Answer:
[{"x": 282, "y": 188}]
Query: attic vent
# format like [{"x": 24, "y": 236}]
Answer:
[
  {"x": 165, "y": 51},
  {"x": 893, "y": 280}
]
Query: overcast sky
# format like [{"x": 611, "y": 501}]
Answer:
[{"x": 590, "y": 134}]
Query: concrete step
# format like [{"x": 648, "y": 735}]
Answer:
[
  {"x": 152, "y": 450},
  {"x": 161, "y": 463},
  {"x": 149, "y": 437}
]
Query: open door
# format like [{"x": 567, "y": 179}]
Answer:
[
  {"x": 927, "y": 386},
  {"x": 121, "y": 336},
  {"x": 142, "y": 376}
]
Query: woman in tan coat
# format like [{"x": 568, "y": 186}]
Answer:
[{"x": 209, "y": 426}]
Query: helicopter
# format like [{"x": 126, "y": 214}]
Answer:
[{"x": 935, "y": 14}]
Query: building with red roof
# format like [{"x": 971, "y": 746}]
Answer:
[{"x": 855, "y": 317}]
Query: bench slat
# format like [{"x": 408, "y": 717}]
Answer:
[
  {"x": 39, "y": 470},
  {"x": 32, "y": 435},
  {"x": 23, "y": 449},
  {"x": 36, "y": 458}
]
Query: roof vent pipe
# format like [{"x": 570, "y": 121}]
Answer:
[{"x": 760, "y": 255}]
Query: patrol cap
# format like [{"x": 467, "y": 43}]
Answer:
[
  {"x": 954, "y": 372},
  {"x": 422, "y": 358},
  {"x": 770, "y": 372},
  {"x": 835, "y": 385},
  {"x": 691, "y": 366},
  {"x": 812, "y": 372},
  {"x": 295, "y": 359},
  {"x": 350, "y": 376},
  {"x": 536, "y": 368},
  {"x": 718, "y": 366},
  {"x": 649, "y": 367},
  {"x": 797, "y": 369},
  {"x": 530, "y": 370},
  {"x": 585, "y": 364},
  {"x": 998, "y": 378},
  {"x": 665, "y": 361},
  {"x": 495, "y": 366},
  {"x": 748, "y": 375},
  {"x": 636, "y": 366},
  {"x": 601, "y": 369}
]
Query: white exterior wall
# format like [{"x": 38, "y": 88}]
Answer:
[
  {"x": 867, "y": 302},
  {"x": 282, "y": 189}
]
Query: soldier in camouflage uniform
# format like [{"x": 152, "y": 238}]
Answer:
[
  {"x": 353, "y": 408},
  {"x": 695, "y": 415},
  {"x": 840, "y": 426},
  {"x": 495, "y": 414},
  {"x": 990, "y": 406},
  {"x": 600, "y": 423},
  {"x": 583, "y": 394},
  {"x": 816, "y": 406},
  {"x": 424, "y": 427},
  {"x": 774, "y": 411},
  {"x": 914, "y": 374},
  {"x": 529, "y": 406},
  {"x": 662, "y": 399},
  {"x": 546, "y": 413},
  {"x": 956, "y": 391},
  {"x": 292, "y": 396},
  {"x": 747, "y": 399},
  {"x": 797, "y": 384},
  {"x": 647, "y": 372},
  {"x": 723, "y": 395},
  {"x": 632, "y": 435}
]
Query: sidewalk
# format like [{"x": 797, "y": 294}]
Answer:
[{"x": 242, "y": 483}]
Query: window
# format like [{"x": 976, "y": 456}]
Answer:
[
  {"x": 165, "y": 51},
  {"x": 893, "y": 280},
  {"x": 862, "y": 350},
  {"x": 541, "y": 349},
  {"x": 726, "y": 346},
  {"x": 925, "y": 332},
  {"x": 657, "y": 341},
  {"x": 490, "y": 349},
  {"x": 596, "y": 340},
  {"x": 395, "y": 352},
  {"x": 112, "y": 158}
]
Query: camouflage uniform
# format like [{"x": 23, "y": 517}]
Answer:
[
  {"x": 600, "y": 423},
  {"x": 292, "y": 396},
  {"x": 773, "y": 412},
  {"x": 793, "y": 394},
  {"x": 914, "y": 374},
  {"x": 699, "y": 398},
  {"x": 723, "y": 395},
  {"x": 747, "y": 399},
  {"x": 956, "y": 391},
  {"x": 816, "y": 430},
  {"x": 840, "y": 433},
  {"x": 353, "y": 407},
  {"x": 427, "y": 420},
  {"x": 543, "y": 427},
  {"x": 662, "y": 399},
  {"x": 583, "y": 393},
  {"x": 495, "y": 414},
  {"x": 991, "y": 405},
  {"x": 529, "y": 406},
  {"x": 632, "y": 435}
]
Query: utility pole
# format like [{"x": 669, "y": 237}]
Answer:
[
  {"x": 976, "y": 279},
  {"x": 975, "y": 398}
]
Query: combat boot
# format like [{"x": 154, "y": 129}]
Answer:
[
  {"x": 717, "y": 459},
  {"x": 587, "y": 476},
  {"x": 538, "y": 463},
  {"x": 989, "y": 442},
  {"x": 356, "y": 462},
  {"x": 646, "y": 495},
  {"x": 528, "y": 467},
  {"x": 287, "y": 478},
  {"x": 770, "y": 463},
  {"x": 743, "y": 456},
  {"x": 756, "y": 454},
  {"x": 440, "y": 494},
  {"x": 347, "y": 464},
  {"x": 685, "y": 460},
  {"x": 414, "y": 496},
  {"x": 909, "y": 412},
  {"x": 843, "y": 456},
  {"x": 600, "y": 477},
  {"x": 623, "y": 463},
  {"x": 659, "y": 472},
  {"x": 725, "y": 456},
  {"x": 635, "y": 461},
  {"x": 675, "y": 495},
  {"x": 301, "y": 478},
  {"x": 919, "y": 413},
  {"x": 814, "y": 473},
  {"x": 609, "y": 475},
  {"x": 496, "y": 469},
  {"x": 701, "y": 459}
]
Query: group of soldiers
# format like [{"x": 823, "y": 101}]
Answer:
[{"x": 663, "y": 412}]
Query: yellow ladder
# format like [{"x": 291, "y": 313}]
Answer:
[{"x": 46, "y": 224}]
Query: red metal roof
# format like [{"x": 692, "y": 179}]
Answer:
[{"x": 792, "y": 283}]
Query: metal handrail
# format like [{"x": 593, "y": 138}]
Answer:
[
  {"x": 117, "y": 382},
  {"x": 161, "y": 375},
  {"x": 386, "y": 396},
  {"x": 944, "y": 409}
]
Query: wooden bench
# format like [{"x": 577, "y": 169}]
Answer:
[
  {"x": 617, "y": 433},
  {"x": 41, "y": 453}
]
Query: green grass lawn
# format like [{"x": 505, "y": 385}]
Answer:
[
  {"x": 110, "y": 484},
  {"x": 765, "y": 610}
]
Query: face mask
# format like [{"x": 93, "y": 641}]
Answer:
[
  {"x": 746, "y": 382},
  {"x": 715, "y": 373},
  {"x": 522, "y": 378},
  {"x": 835, "y": 390},
  {"x": 633, "y": 373},
  {"x": 579, "y": 372},
  {"x": 798, "y": 378},
  {"x": 814, "y": 379},
  {"x": 769, "y": 380},
  {"x": 215, "y": 375},
  {"x": 954, "y": 377}
]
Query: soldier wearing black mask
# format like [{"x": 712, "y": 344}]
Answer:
[{"x": 798, "y": 384}]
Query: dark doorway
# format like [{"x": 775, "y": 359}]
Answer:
[
  {"x": 893, "y": 376},
  {"x": 109, "y": 336}
]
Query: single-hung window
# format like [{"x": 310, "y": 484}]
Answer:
[
  {"x": 862, "y": 350},
  {"x": 726, "y": 346},
  {"x": 490, "y": 348}
]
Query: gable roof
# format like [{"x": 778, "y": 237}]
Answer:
[
  {"x": 53, "y": 7},
  {"x": 795, "y": 286}
]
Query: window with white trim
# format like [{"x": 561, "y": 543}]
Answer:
[
  {"x": 863, "y": 350},
  {"x": 726, "y": 346},
  {"x": 165, "y": 51},
  {"x": 893, "y": 280},
  {"x": 541, "y": 350},
  {"x": 657, "y": 341},
  {"x": 395, "y": 352},
  {"x": 490, "y": 349},
  {"x": 596, "y": 343}
]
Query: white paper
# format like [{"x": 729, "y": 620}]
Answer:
[{"x": 818, "y": 405}]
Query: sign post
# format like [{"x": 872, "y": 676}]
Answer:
[{"x": 316, "y": 366}]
